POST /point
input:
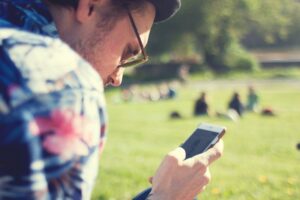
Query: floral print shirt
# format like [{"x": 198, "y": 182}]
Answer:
[{"x": 52, "y": 109}]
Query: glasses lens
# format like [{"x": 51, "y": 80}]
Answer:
[
  {"x": 134, "y": 58},
  {"x": 140, "y": 58},
  {"x": 134, "y": 61}
]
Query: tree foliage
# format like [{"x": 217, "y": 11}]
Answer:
[{"x": 214, "y": 28}]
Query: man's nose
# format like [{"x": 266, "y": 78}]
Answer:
[{"x": 117, "y": 76}]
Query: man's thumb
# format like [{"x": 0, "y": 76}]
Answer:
[{"x": 178, "y": 153}]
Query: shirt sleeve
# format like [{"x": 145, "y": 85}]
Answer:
[{"x": 52, "y": 121}]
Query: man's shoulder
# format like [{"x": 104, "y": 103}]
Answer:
[{"x": 44, "y": 60}]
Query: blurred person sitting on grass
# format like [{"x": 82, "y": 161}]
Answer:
[
  {"x": 236, "y": 104},
  {"x": 252, "y": 100},
  {"x": 201, "y": 105},
  {"x": 298, "y": 146},
  {"x": 56, "y": 55}
]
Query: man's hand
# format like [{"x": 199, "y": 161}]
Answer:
[{"x": 180, "y": 179}]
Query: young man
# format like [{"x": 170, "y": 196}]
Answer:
[{"x": 52, "y": 110}]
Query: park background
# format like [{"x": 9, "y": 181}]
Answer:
[{"x": 226, "y": 45}]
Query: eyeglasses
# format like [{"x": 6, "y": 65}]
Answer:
[{"x": 139, "y": 58}]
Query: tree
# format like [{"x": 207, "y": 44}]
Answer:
[{"x": 214, "y": 29}]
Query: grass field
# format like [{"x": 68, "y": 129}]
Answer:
[{"x": 260, "y": 159}]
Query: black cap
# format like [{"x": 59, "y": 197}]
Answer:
[{"x": 165, "y": 9}]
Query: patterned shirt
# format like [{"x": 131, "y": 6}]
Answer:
[{"x": 52, "y": 109}]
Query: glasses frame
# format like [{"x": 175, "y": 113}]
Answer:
[{"x": 143, "y": 57}]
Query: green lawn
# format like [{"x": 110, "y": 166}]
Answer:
[
  {"x": 292, "y": 72},
  {"x": 260, "y": 159}
]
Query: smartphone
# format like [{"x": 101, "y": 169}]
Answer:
[{"x": 204, "y": 137}]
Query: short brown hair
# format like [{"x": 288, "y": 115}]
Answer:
[
  {"x": 110, "y": 14},
  {"x": 132, "y": 4},
  {"x": 65, "y": 3}
]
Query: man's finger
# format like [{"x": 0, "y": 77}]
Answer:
[
  {"x": 178, "y": 153},
  {"x": 212, "y": 154},
  {"x": 215, "y": 152}
]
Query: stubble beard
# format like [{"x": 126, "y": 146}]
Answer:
[{"x": 90, "y": 49}]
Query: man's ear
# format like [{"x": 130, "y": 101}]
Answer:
[{"x": 84, "y": 10}]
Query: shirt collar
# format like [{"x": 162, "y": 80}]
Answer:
[{"x": 28, "y": 15}]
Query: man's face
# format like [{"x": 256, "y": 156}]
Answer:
[{"x": 106, "y": 49}]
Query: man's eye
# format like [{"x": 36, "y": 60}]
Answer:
[
  {"x": 129, "y": 53},
  {"x": 135, "y": 52}
]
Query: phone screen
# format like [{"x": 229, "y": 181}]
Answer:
[{"x": 198, "y": 142}]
